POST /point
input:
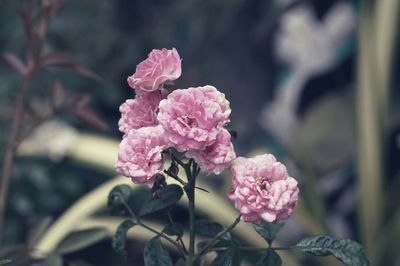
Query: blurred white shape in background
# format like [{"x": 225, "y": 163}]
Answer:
[
  {"x": 53, "y": 139},
  {"x": 308, "y": 47}
]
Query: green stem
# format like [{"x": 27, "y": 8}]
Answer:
[
  {"x": 177, "y": 178},
  {"x": 218, "y": 236},
  {"x": 249, "y": 248},
  {"x": 190, "y": 194},
  {"x": 179, "y": 239},
  {"x": 160, "y": 234}
]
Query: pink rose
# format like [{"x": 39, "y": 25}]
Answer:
[
  {"x": 139, "y": 112},
  {"x": 193, "y": 117},
  {"x": 160, "y": 66},
  {"x": 216, "y": 157},
  {"x": 140, "y": 155},
  {"x": 262, "y": 189}
]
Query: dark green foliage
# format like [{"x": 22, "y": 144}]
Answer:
[
  {"x": 165, "y": 197},
  {"x": 347, "y": 251},
  {"x": 175, "y": 229},
  {"x": 207, "y": 228},
  {"x": 270, "y": 258},
  {"x": 81, "y": 239},
  {"x": 224, "y": 258},
  {"x": 118, "y": 199},
  {"x": 269, "y": 231},
  {"x": 155, "y": 254},
  {"x": 119, "y": 239}
]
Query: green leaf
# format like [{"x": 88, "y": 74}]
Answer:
[
  {"x": 347, "y": 251},
  {"x": 224, "y": 258},
  {"x": 175, "y": 229},
  {"x": 167, "y": 196},
  {"x": 270, "y": 258},
  {"x": 269, "y": 231},
  {"x": 206, "y": 228},
  {"x": 81, "y": 239},
  {"x": 118, "y": 199},
  {"x": 155, "y": 254},
  {"x": 119, "y": 239}
]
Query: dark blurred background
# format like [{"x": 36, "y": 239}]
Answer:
[{"x": 288, "y": 68}]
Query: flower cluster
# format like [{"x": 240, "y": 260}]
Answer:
[{"x": 192, "y": 121}]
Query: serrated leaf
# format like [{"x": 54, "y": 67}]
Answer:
[
  {"x": 118, "y": 198},
  {"x": 224, "y": 258},
  {"x": 119, "y": 239},
  {"x": 206, "y": 228},
  {"x": 81, "y": 239},
  {"x": 269, "y": 231},
  {"x": 175, "y": 229},
  {"x": 347, "y": 251},
  {"x": 270, "y": 258},
  {"x": 155, "y": 254},
  {"x": 167, "y": 196}
]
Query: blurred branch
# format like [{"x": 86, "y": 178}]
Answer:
[
  {"x": 16, "y": 63},
  {"x": 35, "y": 20},
  {"x": 375, "y": 40},
  {"x": 66, "y": 60},
  {"x": 9, "y": 155},
  {"x": 369, "y": 134}
]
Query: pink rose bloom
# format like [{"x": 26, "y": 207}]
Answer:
[
  {"x": 262, "y": 189},
  {"x": 139, "y": 112},
  {"x": 140, "y": 155},
  {"x": 193, "y": 117},
  {"x": 160, "y": 66},
  {"x": 216, "y": 157}
]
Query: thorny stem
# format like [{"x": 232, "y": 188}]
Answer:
[{"x": 218, "y": 236}]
